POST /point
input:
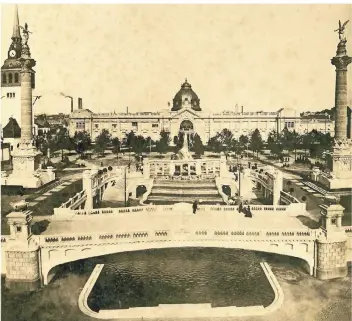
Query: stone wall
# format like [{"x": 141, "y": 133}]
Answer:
[
  {"x": 331, "y": 259},
  {"x": 22, "y": 269}
]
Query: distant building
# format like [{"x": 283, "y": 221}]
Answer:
[
  {"x": 11, "y": 133},
  {"x": 186, "y": 114}
]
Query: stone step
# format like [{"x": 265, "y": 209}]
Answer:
[
  {"x": 185, "y": 191},
  {"x": 183, "y": 183},
  {"x": 204, "y": 202},
  {"x": 183, "y": 198}
]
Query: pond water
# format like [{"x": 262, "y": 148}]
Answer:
[{"x": 222, "y": 277}]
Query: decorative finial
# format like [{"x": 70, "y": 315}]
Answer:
[
  {"x": 341, "y": 30},
  {"x": 186, "y": 80}
]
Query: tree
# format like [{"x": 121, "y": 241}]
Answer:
[
  {"x": 163, "y": 143},
  {"x": 222, "y": 141},
  {"x": 82, "y": 142},
  {"x": 63, "y": 141},
  {"x": 274, "y": 143},
  {"x": 198, "y": 147},
  {"x": 256, "y": 142},
  {"x": 243, "y": 140},
  {"x": 102, "y": 141},
  {"x": 139, "y": 143},
  {"x": 116, "y": 145}
]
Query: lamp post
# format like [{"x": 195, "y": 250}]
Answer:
[{"x": 125, "y": 183}]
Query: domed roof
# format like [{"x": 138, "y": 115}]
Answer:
[{"x": 186, "y": 98}]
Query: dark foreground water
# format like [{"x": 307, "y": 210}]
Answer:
[{"x": 222, "y": 277}]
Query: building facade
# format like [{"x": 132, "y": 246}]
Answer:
[{"x": 186, "y": 114}]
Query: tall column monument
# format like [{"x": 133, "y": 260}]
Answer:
[
  {"x": 26, "y": 158},
  {"x": 339, "y": 161}
]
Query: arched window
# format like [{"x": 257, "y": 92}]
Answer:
[
  {"x": 10, "y": 78},
  {"x": 16, "y": 77},
  {"x": 4, "y": 78}
]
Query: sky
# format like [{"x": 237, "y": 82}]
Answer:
[{"x": 262, "y": 57}]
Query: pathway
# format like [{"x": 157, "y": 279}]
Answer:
[
  {"x": 106, "y": 223},
  {"x": 44, "y": 193}
]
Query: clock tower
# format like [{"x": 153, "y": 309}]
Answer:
[{"x": 11, "y": 81}]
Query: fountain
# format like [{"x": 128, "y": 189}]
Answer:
[{"x": 184, "y": 151}]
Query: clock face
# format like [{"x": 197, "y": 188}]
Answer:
[{"x": 12, "y": 53}]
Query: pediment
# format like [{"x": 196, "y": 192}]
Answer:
[{"x": 184, "y": 113}]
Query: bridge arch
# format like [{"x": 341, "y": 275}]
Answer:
[{"x": 96, "y": 251}]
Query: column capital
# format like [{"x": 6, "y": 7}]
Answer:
[
  {"x": 341, "y": 62},
  {"x": 27, "y": 64}
]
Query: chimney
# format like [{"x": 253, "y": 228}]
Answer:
[
  {"x": 80, "y": 103},
  {"x": 127, "y": 110},
  {"x": 242, "y": 110},
  {"x": 71, "y": 105}
]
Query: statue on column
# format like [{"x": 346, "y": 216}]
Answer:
[
  {"x": 25, "y": 48},
  {"x": 341, "y": 30}
]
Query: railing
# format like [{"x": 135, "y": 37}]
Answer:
[
  {"x": 348, "y": 229},
  {"x": 73, "y": 200},
  {"x": 306, "y": 235},
  {"x": 289, "y": 198},
  {"x": 265, "y": 181}
]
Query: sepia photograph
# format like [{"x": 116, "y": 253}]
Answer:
[{"x": 176, "y": 161}]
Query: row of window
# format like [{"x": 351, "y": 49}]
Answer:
[
  {"x": 134, "y": 124},
  {"x": 290, "y": 124},
  {"x": 10, "y": 78},
  {"x": 10, "y": 95}
]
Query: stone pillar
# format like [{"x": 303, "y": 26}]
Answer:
[
  {"x": 341, "y": 61},
  {"x": 223, "y": 168},
  {"x": 198, "y": 167},
  {"x": 22, "y": 254},
  {"x": 88, "y": 186},
  {"x": 146, "y": 168},
  {"x": 172, "y": 168},
  {"x": 330, "y": 254},
  {"x": 277, "y": 187}
]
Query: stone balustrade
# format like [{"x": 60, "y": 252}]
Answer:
[
  {"x": 165, "y": 209},
  {"x": 294, "y": 235},
  {"x": 188, "y": 169}
]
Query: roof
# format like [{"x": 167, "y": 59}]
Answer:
[
  {"x": 42, "y": 123},
  {"x": 186, "y": 93},
  {"x": 12, "y": 129},
  {"x": 81, "y": 113}
]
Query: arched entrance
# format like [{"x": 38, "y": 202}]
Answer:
[{"x": 186, "y": 126}]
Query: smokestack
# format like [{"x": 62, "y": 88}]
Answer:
[
  {"x": 242, "y": 110},
  {"x": 80, "y": 103},
  {"x": 72, "y": 105},
  {"x": 127, "y": 110}
]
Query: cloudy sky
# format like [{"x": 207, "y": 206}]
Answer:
[{"x": 263, "y": 57}]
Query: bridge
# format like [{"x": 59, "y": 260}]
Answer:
[{"x": 32, "y": 260}]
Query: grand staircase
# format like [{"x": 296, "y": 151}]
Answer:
[{"x": 173, "y": 191}]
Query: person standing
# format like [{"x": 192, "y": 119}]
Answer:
[{"x": 195, "y": 206}]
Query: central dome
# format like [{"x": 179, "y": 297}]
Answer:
[{"x": 186, "y": 98}]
